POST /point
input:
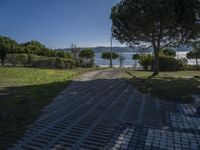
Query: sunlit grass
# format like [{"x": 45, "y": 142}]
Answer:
[{"x": 23, "y": 93}]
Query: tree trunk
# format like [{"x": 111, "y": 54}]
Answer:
[
  {"x": 156, "y": 62},
  {"x": 2, "y": 61},
  {"x": 197, "y": 61},
  {"x": 135, "y": 64}
]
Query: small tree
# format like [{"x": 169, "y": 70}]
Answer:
[
  {"x": 168, "y": 52},
  {"x": 6, "y": 46},
  {"x": 159, "y": 23},
  {"x": 121, "y": 60},
  {"x": 87, "y": 55},
  {"x": 146, "y": 61},
  {"x": 59, "y": 63},
  {"x": 107, "y": 55},
  {"x": 136, "y": 57},
  {"x": 194, "y": 54}
]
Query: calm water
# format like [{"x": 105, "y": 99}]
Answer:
[{"x": 128, "y": 60}]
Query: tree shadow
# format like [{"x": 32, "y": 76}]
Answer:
[
  {"x": 20, "y": 106},
  {"x": 168, "y": 88}
]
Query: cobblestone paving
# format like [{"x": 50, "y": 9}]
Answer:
[
  {"x": 181, "y": 131},
  {"x": 101, "y": 112}
]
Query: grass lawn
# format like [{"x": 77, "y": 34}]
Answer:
[
  {"x": 23, "y": 93},
  {"x": 175, "y": 86}
]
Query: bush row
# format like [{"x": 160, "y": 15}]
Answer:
[
  {"x": 191, "y": 68},
  {"x": 166, "y": 63},
  {"x": 171, "y": 64},
  {"x": 42, "y": 62}
]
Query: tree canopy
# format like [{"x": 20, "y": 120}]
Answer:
[
  {"x": 6, "y": 46},
  {"x": 168, "y": 52},
  {"x": 86, "y": 53},
  {"x": 159, "y": 23},
  {"x": 195, "y": 53},
  {"x": 9, "y": 46},
  {"x": 107, "y": 55},
  {"x": 136, "y": 56}
]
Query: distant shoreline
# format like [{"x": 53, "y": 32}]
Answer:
[
  {"x": 121, "y": 49},
  {"x": 129, "y": 62}
]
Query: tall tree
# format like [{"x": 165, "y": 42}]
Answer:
[
  {"x": 195, "y": 53},
  {"x": 159, "y": 23},
  {"x": 6, "y": 47}
]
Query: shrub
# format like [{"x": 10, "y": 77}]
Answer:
[
  {"x": 170, "y": 64},
  {"x": 166, "y": 63},
  {"x": 136, "y": 56},
  {"x": 43, "y": 62},
  {"x": 87, "y": 65},
  {"x": 17, "y": 59},
  {"x": 59, "y": 63},
  {"x": 191, "y": 67},
  {"x": 146, "y": 61},
  {"x": 69, "y": 63},
  {"x": 168, "y": 52},
  {"x": 78, "y": 62}
]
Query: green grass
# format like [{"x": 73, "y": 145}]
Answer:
[
  {"x": 23, "y": 93},
  {"x": 175, "y": 86}
]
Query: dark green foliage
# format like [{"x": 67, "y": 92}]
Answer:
[
  {"x": 87, "y": 55},
  {"x": 18, "y": 59},
  {"x": 157, "y": 22},
  {"x": 167, "y": 63},
  {"x": 52, "y": 62},
  {"x": 195, "y": 53},
  {"x": 136, "y": 56},
  {"x": 172, "y": 86},
  {"x": 190, "y": 55},
  {"x": 18, "y": 50},
  {"x": 43, "y": 62},
  {"x": 107, "y": 55},
  {"x": 60, "y": 54},
  {"x": 192, "y": 67},
  {"x": 170, "y": 64},
  {"x": 168, "y": 52},
  {"x": 6, "y": 46},
  {"x": 69, "y": 63},
  {"x": 59, "y": 63},
  {"x": 34, "y": 54},
  {"x": 146, "y": 61},
  {"x": 68, "y": 55},
  {"x": 35, "y": 47}
]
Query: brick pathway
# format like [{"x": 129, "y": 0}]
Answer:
[{"x": 98, "y": 112}]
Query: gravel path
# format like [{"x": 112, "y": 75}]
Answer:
[{"x": 99, "y": 110}]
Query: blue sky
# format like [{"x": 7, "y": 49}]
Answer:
[{"x": 57, "y": 23}]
